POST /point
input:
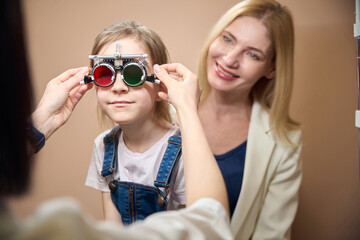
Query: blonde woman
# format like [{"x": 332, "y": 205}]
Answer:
[{"x": 246, "y": 75}]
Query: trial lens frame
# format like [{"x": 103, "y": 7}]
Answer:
[{"x": 113, "y": 62}]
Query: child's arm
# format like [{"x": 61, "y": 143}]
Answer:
[
  {"x": 110, "y": 212},
  {"x": 202, "y": 174}
]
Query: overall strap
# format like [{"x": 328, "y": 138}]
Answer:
[
  {"x": 111, "y": 141},
  {"x": 169, "y": 161}
]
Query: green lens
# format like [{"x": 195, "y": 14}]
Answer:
[{"x": 132, "y": 74}]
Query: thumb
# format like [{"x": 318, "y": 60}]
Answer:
[{"x": 162, "y": 75}]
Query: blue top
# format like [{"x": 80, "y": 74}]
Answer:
[{"x": 232, "y": 165}]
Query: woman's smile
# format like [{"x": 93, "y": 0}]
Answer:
[{"x": 223, "y": 73}]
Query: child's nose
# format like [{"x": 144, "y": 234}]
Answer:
[{"x": 119, "y": 84}]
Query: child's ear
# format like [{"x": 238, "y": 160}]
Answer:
[
  {"x": 161, "y": 92},
  {"x": 158, "y": 99}
]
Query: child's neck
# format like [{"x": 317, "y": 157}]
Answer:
[{"x": 139, "y": 137}]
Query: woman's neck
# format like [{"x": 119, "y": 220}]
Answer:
[{"x": 220, "y": 105}]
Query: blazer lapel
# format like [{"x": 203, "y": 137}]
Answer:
[{"x": 259, "y": 150}]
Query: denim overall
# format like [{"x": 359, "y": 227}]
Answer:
[{"x": 136, "y": 201}]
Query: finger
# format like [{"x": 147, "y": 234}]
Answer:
[
  {"x": 81, "y": 88},
  {"x": 177, "y": 68},
  {"x": 181, "y": 71},
  {"x": 162, "y": 75},
  {"x": 78, "y": 92},
  {"x": 67, "y": 74},
  {"x": 74, "y": 81},
  {"x": 176, "y": 77}
]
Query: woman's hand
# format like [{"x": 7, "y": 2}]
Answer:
[
  {"x": 182, "y": 86},
  {"x": 59, "y": 100}
]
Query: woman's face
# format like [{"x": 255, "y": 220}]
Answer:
[
  {"x": 240, "y": 56},
  {"x": 124, "y": 104}
]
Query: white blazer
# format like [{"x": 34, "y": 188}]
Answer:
[{"x": 268, "y": 200}]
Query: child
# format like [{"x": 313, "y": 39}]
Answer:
[{"x": 127, "y": 161}]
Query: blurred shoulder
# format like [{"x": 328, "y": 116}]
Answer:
[{"x": 57, "y": 219}]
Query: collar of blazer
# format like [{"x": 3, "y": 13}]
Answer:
[{"x": 260, "y": 145}]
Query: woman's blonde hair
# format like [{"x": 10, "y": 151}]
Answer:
[
  {"x": 273, "y": 94},
  {"x": 150, "y": 40}
]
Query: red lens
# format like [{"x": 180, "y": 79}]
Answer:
[{"x": 103, "y": 75}]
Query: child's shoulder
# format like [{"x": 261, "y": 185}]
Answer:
[
  {"x": 99, "y": 139},
  {"x": 174, "y": 129}
]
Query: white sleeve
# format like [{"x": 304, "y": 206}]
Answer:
[
  {"x": 94, "y": 178},
  {"x": 205, "y": 219},
  {"x": 64, "y": 219}
]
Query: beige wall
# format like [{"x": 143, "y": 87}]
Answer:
[{"x": 60, "y": 35}]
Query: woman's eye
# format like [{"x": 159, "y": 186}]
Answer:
[
  {"x": 254, "y": 56},
  {"x": 226, "y": 39}
]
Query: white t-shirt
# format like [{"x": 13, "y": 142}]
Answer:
[{"x": 137, "y": 167}]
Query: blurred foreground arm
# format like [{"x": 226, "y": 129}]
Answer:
[{"x": 59, "y": 100}]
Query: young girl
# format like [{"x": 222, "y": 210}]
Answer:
[{"x": 129, "y": 164}]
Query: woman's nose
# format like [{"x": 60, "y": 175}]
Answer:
[
  {"x": 119, "y": 85},
  {"x": 232, "y": 58}
]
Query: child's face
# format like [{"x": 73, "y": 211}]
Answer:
[{"x": 124, "y": 104}]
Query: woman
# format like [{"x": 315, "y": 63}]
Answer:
[{"x": 246, "y": 74}]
